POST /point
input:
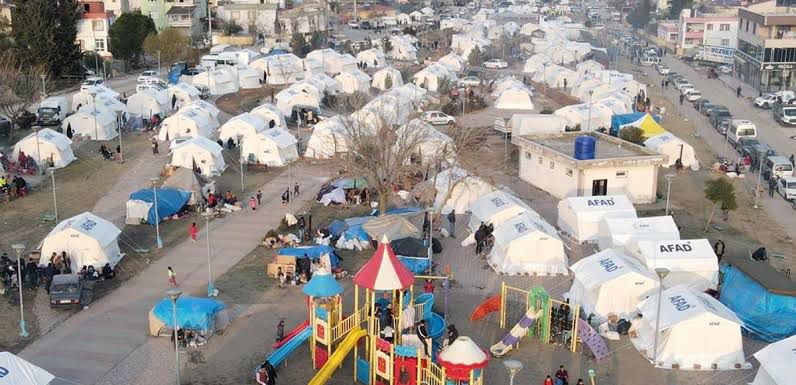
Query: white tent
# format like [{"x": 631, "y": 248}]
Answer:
[
  {"x": 199, "y": 152},
  {"x": 776, "y": 363},
  {"x": 328, "y": 138},
  {"x": 537, "y": 62},
  {"x": 184, "y": 92},
  {"x": 514, "y": 99},
  {"x": 619, "y": 232},
  {"x": 495, "y": 208},
  {"x": 281, "y": 69},
  {"x": 672, "y": 146},
  {"x": 578, "y": 114},
  {"x": 463, "y": 193},
  {"x": 244, "y": 125},
  {"x": 332, "y": 62},
  {"x": 403, "y": 47},
  {"x": 374, "y": 57},
  {"x": 432, "y": 76},
  {"x": 97, "y": 125},
  {"x": 53, "y": 145},
  {"x": 199, "y": 104},
  {"x": 84, "y": 98},
  {"x": 220, "y": 81},
  {"x": 434, "y": 145},
  {"x": 555, "y": 76},
  {"x": 691, "y": 262},
  {"x": 381, "y": 76},
  {"x": 187, "y": 123},
  {"x": 582, "y": 86},
  {"x": 580, "y": 217},
  {"x": 249, "y": 78},
  {"x": 17, "y": 371},
  {"x": 144, "y": 104},
  {"x": 274, "y": 147},
  {"x": 352, "y": 81},
  {"x": 611, "y": 282},
  {"x": 313, "y": 88},
  {"x": 526, "y": 244},
  {"x": 87, "y": 240},
  {"x": 289, "y": 98},
  {"x": 325, "y": 82},
  {"x": 267, "y": 112},
  {"x": 536, "y": 124},
  {"x": 453, "y": 61},
  {"x": 696, "y": 332},
  {"x": 588, "y": 66}
]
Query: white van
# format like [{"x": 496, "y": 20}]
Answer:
[
  {"x": 741, "y": 128},
  {"x": 52, "y": 111},
  {"x": 777, "y": 167},
  {"x": 91, "y": 81},
  {"x": 649, "y": 61}
]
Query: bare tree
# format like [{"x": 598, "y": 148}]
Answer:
[
  {"x": 20, "y": 88},
  {"x": 460, "y": 157}
]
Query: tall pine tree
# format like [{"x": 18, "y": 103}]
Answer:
[{"x": 47, "y": 35}]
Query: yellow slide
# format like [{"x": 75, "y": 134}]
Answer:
[{"x": 337, "y": 357}]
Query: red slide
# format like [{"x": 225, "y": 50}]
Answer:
[
  {"x": 491, "y": 304},
  {"x": 290, "y": 335}
]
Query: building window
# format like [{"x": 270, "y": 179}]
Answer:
[
  {"x": 99, "y": 44},
  {"x": 552, "y": 165},
  {"x": 725, "y": 42},
  {"x": 541, "y": 160},
  {"x": 710, "y": 27},
  {"x": 724, "y": 27},
  {"x": 236, "y": 15},
  {"x": 252, "y": 15},
  {"x": 97, "y": 25},
  {"x": 747, "y": 26},
  {"x": 528, "y": 155},
  {"x": 754, "y": 28},
  {"x": 621, "y": 174},
  {"x": 569, "y": 172},
  {"x": 82, "y": 44}
]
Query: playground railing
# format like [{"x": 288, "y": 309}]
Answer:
[
  {"x": 432, "y": 374},
  {"x": 341, "y": 329},
  {"x": 419, "y": 309}
]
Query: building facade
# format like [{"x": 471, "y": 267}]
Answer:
[
  {"x": 93, "y": 26},
  {"x": 766, "y": 54},
  {"x": 256, "y": 17},
  {"x": 117, "y": 6},
  {"x": 697, "y": 29},
  {"x": 188, "y": 16},
  {"x": 667, "y": 31}
]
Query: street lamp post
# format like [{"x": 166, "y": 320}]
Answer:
[
  {"x": 662, "y": 273},
  {"x": 119, "y": 128},
  {"x": 44, "y": 85},
  {"x": 174, "y": 293},
  {"x": 513, "y": 366},
  {"x": 431, "y": 239},
  {"x": 157, "y": 216},
  {"x": 19, "y": 248},
  {"x": 591, "y": 92},
  {"x": 211, "y": 290},
  {"x": 669, "y": 178},
  {"x": 759, "y": 176},
  {"x": 240, "y": 148},
  {"x": 158, "y": 62},
  {"x": 51, "y": 170},
  {"x": 93, "y": 94}
]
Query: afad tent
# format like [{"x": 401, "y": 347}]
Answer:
[
  {"x": 184, "y": 92},
  {"x": 536, "y": 63},
  {"x": 621, "y": 232},
  {"x": 290, "y": 97},
  {"x": 696, "y": 332},
  {"x": 274, "y": 147},
  {"x": 201, "y": 154},
  {"x": 648, "y": 126},
  {"x": 220, "y": 81},
  {"x": 536, "y": 124},
  {"x": 776, "y": 363},
  {"x": 381, "y": 82},
  {"x": 431, "y": 77},
  {"x": 675, "y": 148},
  {"x": 611, "y": 282},
  {"x": 87, "y": 240},
  {"x": 95, "y": 125},
  {"x": 205, "y": 107},
  {"x": 434, "y": 146},
  {"x": 526, "y": 244},
  {"x": 453, "y": 61},
  {"x": 281, "y": 69},
  {"x": 580, "y": 115},
  {"x": 691, "y": 262},
  {"x": 268, "y": 113},
  {"x": 374, "y": 57},
  {"x": 145, "y": 104},
  {"x": 241, "y": 128},
  {"x": 495, "y": 208},
  {"x": 353, "y": 81},
  {"x": 169, "y": 202},
  {"x": 17, "y": 371},
  {"x": 188, "y": 123},
  {"x": 463, "y": 193},
  {"x": 249, "y": 78},
  {"x": 580, "y": 217},
  {"x": 514, "y": 99},
  {"x": 328, "y": 138},
  {"x": 54, "y": 146},
  {"x": 187, "y": 180}
]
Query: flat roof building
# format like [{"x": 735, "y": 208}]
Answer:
[{"x": 617, "y": 167}]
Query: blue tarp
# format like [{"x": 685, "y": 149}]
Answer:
[
  {"x": 619, "y": 120},
  {"x": 767, "y": 316},
  {"x": 356, "y": 232},
  {"x": 170, "y": 201},
  {"x": 312, "y": 252},
  {"x": 404, "y": 211},
  {"x": 415, "y": 265},
  {"x": 336, "y": 227},
  {"x": 354, "y": 221},
  {"x": 192, "y": 312}
]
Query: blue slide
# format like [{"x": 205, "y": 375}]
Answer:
[{"x": 279, "y": 355}]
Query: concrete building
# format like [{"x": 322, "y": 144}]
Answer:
[
  {"x": 663, "y": 5},
  {"x": 120, "y": 6},
  {"x": 189, "y": 16},
  {"x": 303, "y": 18},
  {"x": 668, "y": 30},
  {"x": 6, "y": 12},
  {"x": 93, "y": 26},
  {"x": 766, "y": 54},
  {"x": 254, "y": 16},
  {"x": 618, "y": 167},
  {"x": 697, "y": 29}
]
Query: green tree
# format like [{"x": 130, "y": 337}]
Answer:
[
  {"x": 677, "y": 7},
  {"x": 386, "y": 44},
  {"x": 93, "y": 61},
  {"x": 318, "y": 40},
  {"x": 172, "y": 44},
  {"x": 46, "y": 35},
  {"x": 127, "y": 35},
  {"x": 640, "y": 16},
  {"x": 20, "y": 88},
  {"x": 298, "y": 44},
  {"x": 632, "y": 134},
  {"x": 6, "y": 41},
  {"x": 721, "y": 192},
  {"x": 475, "y": 58}
]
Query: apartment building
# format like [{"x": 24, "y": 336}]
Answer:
[
  {"x": 697, "y": 29},
  {"x": 93, "y": 26},
  {"x": 256, "y": 17},
  {"x": 188, "y": 16},
  {"x": 766, "y": 54},
  {"x": 668, "y": 30}
]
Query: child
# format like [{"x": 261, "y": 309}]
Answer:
[
  {"x": 193, "y": 231},
  {"x": 253, "y": 203},
  {"x": 172, "y": 277},
  {"x": 281, "y": 276}
]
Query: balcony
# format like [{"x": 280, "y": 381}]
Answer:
[
  {"x": 694, "y": 34},
  {"x": 180, "y": 16}
]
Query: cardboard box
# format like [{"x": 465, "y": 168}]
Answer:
[
  {"x": 285, "y": 259},
  {"x": 273, "y": 268}
]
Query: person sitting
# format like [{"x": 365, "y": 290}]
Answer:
[
  {"x": 107, "y": 272},
  {"x": 230, "y": 143},
  {"x": 22, "y": 159},
  {"x": 91, "y": 273},
  {"x": 21, "y": 185},
  {"x": 211, "y": 200},
  {"x": 83, "y": 271}
]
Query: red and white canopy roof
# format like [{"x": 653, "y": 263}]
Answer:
[
  {"x": 462, "y": 356},
  {"x": 384, "y": 271}
]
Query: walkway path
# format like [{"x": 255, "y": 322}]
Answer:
[{"x": 108, "y": 343}]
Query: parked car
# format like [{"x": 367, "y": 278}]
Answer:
[
  {"x": 692, "y": 95},
  {"x": 663, "y": 69},
  {"x": 5, "y": 124},
  {"x": 353, "y": 24},
  {"x": 755, "y": 150},
  {"x": 717, "y": 115},
  {"x": 786, "y": 186},
  {"x": 495, "y": 64},
  {"x": 700, "y": 104},
  {"x": 66, "y": 290},
  {"x": 684, "y": 86},
  {"x": 472, "y": 81},
  {"x": 725, "y": 69},
  {"x": 438, "y": 118},
  {"x": 766, "y": 101},
  {"x": 723, "y": 125},
  {"x": 739, "y": 129},
  {"x": 784, "y": 114},
  {"x": 91, "y": 81},
  {"x": 710, "y": 109},
  {"x": 192, "y": 71},
  {"x": 148, "y": 74}
]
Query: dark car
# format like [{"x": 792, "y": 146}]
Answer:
[
  {"x": 699, "y": 104},
  {"x": 66, "y": 290},
  {"x": 754, "y": 150},
  {"x": 719, "y": 114},
  {"x": 722, "y": 125},
  {"x": 5, "y": 125}
]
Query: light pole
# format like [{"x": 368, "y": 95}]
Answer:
[
  {"x": 591, "y": 92},
  {"x": 174, "y": 293},
  {"x": 157, "y": 217},
  {"x": 431, "y": 240},
  {"x": 669, "y": 178},
  {"x": 211, "y": 291},
  {"x": 662, "y": 273},
  {"x": 51, "y": 170},
  {"x": 19, "y": 248},
  {"x": 44, "y": 86},
  {"x": 240, "y": 148},
  {"x": 119, "y": 129},
  {"x": 759, "y": 176},
  {"x": 93, "y": 94},
  {"x": 513, "y": 366},
  {"x": 592, "y": 374},
  {"x": 158, "y": 63}
]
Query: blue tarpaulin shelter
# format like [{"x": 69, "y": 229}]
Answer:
[
  {"x": 764, "y": 299},
  {"x": 311, "y": 252},
  {"x": 619, "y": 120},
  {"x": 170, "y": 201},
  {"x": 336, "y": 227},
  {"x": 356, "y": 232},
  {"x": 192, "y": 313},
  {"x": 322, "y": 284}
]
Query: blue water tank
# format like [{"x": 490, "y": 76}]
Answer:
[{"x": 584, "y": 147}]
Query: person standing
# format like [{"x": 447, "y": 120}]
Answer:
[
  {"x": 422, "y": 332},
  {"x": 301, "y": 226},
  {"x": 193, "y": 231},
  {"x": 479, "y": 239},
  {"x": 682, "y": 98},
  {"x": 452, "y": 223},
  {"x": 738, "y": 91},
  {"x": 548, "y": 380},
  {"x": 173, "y": 101},
  {"x": 296, "y": 191},
  {"x": 172, "y": 277},
  {"x": 428, "y": 287},
  {"x": 286, "y": 197},
  {"x": 562, "y": 375},
  {"x": 259, "y": 197},
  {"x": 280, "y": 275},
  {"x": 253, "y": 203},
  {"x": 772, "y": 185},
  {"x": 154, "y": 146}
]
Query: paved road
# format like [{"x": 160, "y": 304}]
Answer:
[
  {"x": 722, "y": 91},
  {"x": 108, "y": 344}
]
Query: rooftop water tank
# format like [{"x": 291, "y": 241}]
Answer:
[{"x": 584, "y": 147}]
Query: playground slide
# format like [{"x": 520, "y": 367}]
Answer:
[
  {"x": 491, "y": 304},
  {"x": 518, "y": 331},
  {"x": 291, "y": 334},
  {"x": 338, "y": 356},
  {"x": 280, "y": 354}
]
